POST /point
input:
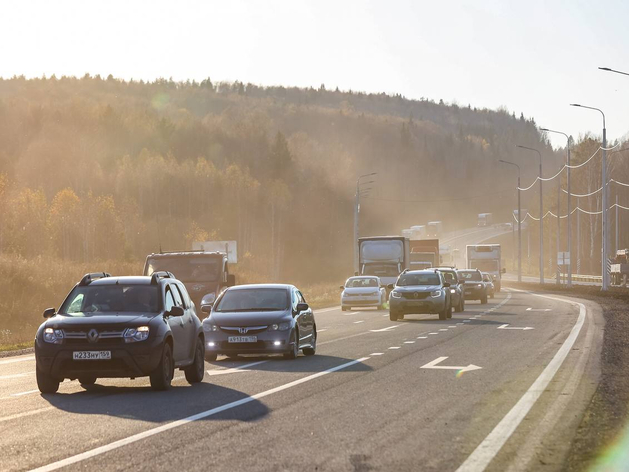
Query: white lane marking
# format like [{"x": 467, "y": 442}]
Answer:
[
  {"x": 394, "y": 347},
  {"x": 491, "y": 445},
  {"x": 240, "y": 368},
  {"x": 409, "y": 342},
  {"x": 505, "y": 326},
  {"x": 452, "y": 326},
  {"x": 14, "y": 376},
  {"x": 321, "y": 330},
  {"x": 24, "y": 393},
  {"x": 422, "y": 337},
  {"x": 174, "y": 424},
  {"x": 360, "y": 321},
  {"x": 376, "y": 354},
  {"x": 21, "y": 359},
  {"x": 26, "y": 413},
  {"x": 460, "y": 323},
  {"x": 385, "y": 315},
  {"x": 352, "y": 313},
  {"x": 433, "y": 333},
  {"x": 383, "y": 329},
  {"x": 443, "y": 329},
  {"x": 433, "y": 365},
  {"x": 325, "y": 310},
  {"x": 538, "y": 309}
]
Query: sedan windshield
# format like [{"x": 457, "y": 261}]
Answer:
[
  {"x": 254, "y": 299},
  {"x": 361, "y": 283},
  {"x": 418, "y": 279},
  {"x": 111, "y": 299}
]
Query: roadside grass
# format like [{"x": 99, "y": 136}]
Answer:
[
  {"x": 15, "y": 347},
  {"x": 599, "y": 436}
]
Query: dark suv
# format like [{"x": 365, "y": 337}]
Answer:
[
  {"x": 121, "y": 327},
  {"x": 475, "y": 288},
  {"x": 419, "y": 292}
]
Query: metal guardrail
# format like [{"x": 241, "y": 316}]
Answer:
[{"x": 582, "y": 278}]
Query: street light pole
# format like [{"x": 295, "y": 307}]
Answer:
[
  {"x": 519, "y": 221},
  {"x": 356, "y": 215},
  {"x": 607, "y": 69},
  {"x": 541, "y": 216},
  {"x": 569, "y": 230},
  {"x": 604, "y": 226}
]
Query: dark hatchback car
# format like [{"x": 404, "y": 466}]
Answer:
[
  {"x": 111, "y": 327},
  {"x": 475, "y": 288},
  {"x": 260, "y": 319}
]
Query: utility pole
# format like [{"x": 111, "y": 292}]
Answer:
[
  {"x": 519, "y": 222},
  {"x": 541, "y": 216},
  {"x": 356, "y": 217}
]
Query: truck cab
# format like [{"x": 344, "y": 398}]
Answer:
[{"x": 204, "y": 274}]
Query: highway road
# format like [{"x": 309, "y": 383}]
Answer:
[{"x": 500, "y": 387}]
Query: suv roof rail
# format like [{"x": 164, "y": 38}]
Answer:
[
  {"x": 179, "y": 252},
  {"x": 88, "y": 278},
  {"x": 161, "y": 274}
]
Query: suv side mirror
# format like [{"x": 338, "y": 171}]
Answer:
[
  {"x": 302, "y": 307},
  {"x": 49, "y": 312},
  {"x": 176, "y": 311},
  {"x": 231, "y": 280},
  {"x": 390, "y": 286},
  {"x": 206, "y": 308},
  {"x": 446, "y": 284},
  {"x": 342, "y": 287}
]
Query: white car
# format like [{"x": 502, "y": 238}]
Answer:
[{"x": 362, "y": 291}]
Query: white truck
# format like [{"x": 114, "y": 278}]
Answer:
[
  {"x": 433, "y": 229},
  {"x": 486, "y": 258},
  {"x": 485, "y": 219},
  {"x": 384, "y": 256}
]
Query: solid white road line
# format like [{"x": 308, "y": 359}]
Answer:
[
  {"x": 19, "y": 359},
  {"x": 26, "y": 413},
  {"x": 240, "y": 368},
  {"x": 491, "y": 445},
  {"x": 175, "y": 424}
]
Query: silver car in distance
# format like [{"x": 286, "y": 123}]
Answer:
[{"x": 363, "y": 291}]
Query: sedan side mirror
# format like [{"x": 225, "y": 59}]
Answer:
[
  {"x": 446, "y": 285},
  {"x": 342, "y": 287},
  {"x": 49, "y": 312},
  {"x": 302, "y": 307},
  {"x": 206, "y": 308},
  {"x": 176, "y": 311}
]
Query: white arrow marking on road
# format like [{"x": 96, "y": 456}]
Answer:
[
  {"x": 383, "y": 329},
  {"x": 538, "y": 309},
  {"x": 433, "y": 365},
  {"x": 504, "y": 326}
]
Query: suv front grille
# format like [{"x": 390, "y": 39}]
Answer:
[
  {"x": 416, "y": 295},
  {"x": 75, "y": 336}
]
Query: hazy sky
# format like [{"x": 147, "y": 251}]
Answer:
[{"x": 529, "y": 56}]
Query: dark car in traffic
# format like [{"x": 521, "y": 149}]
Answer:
[
  {"x": 260, "y": 319},
  {"x": 475, "y": 288},
  {"x": 111, "y": 327},
  {"x": 420, "y": 292},
  {"x": 457, "y": 289},
  {"x": 489, "y": 284}
]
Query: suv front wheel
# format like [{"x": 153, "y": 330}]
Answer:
[
  {"x": 46, "y": 383},
  {"x": 162, "y": 376}
]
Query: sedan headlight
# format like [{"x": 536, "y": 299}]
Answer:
[
  {"x": 396, "y": 294},
  {"x": 479, "y": 286},
  {"x": 452, "y": 290},
  {"x": 54, "y": 336},
  {"x": 132, "y": 335},
  {"x": 280, "y": 327},
  {"x": 436, "y": 293},
  {"x": 209, "y": 327}
]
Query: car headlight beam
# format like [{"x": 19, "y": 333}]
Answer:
[
  {"x": 132, "y": 335},
  {"x": 395, "y": 294},
  {"x": 53, "y": 336}
]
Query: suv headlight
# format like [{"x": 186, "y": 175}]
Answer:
[
  {"x": 479, "y": 286},
  {"x": 436, "y": 293},
  {"x": 132, "y": 335},
  {"x": 285, "y": 325},
  {"x": 396, "y": 294},
  {"x": 54, "y": 336},
  {"x": 207, "y": 327}
]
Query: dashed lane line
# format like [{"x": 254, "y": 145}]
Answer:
[
  {"x": 26, "y": 413},
  {"x": 21, "y": 359},
  {"x": 376, "y": 354},
  {"x": 359, "y": 321},
  {"x": 205, "y": 414},
  {"x": 394, "y": 347}
]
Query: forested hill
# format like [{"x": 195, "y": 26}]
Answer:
[{"x": 96, "y": 168}]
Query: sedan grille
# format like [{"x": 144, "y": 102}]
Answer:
[{"x": 243, "y": 329}]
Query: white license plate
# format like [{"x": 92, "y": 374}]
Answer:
[
  {"x": 242, "y": 339},
  {"x": 468, "y": 293},
  {"x": 91, "y": 355}
]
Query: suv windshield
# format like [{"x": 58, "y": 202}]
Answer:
[
  {"x": 470, "y": 275},
  {"x": 361, "y": 283},
  {"x": 187, "y": 268},
  {"x": 418, "y": 279},
  {"x": 112, "y": 299},
  {"x": 254, "y": 299}
]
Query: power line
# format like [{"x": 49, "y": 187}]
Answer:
[{"x": 440, "y": 200}]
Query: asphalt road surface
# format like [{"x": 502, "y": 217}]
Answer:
[{"x": 500, "y": 387}]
